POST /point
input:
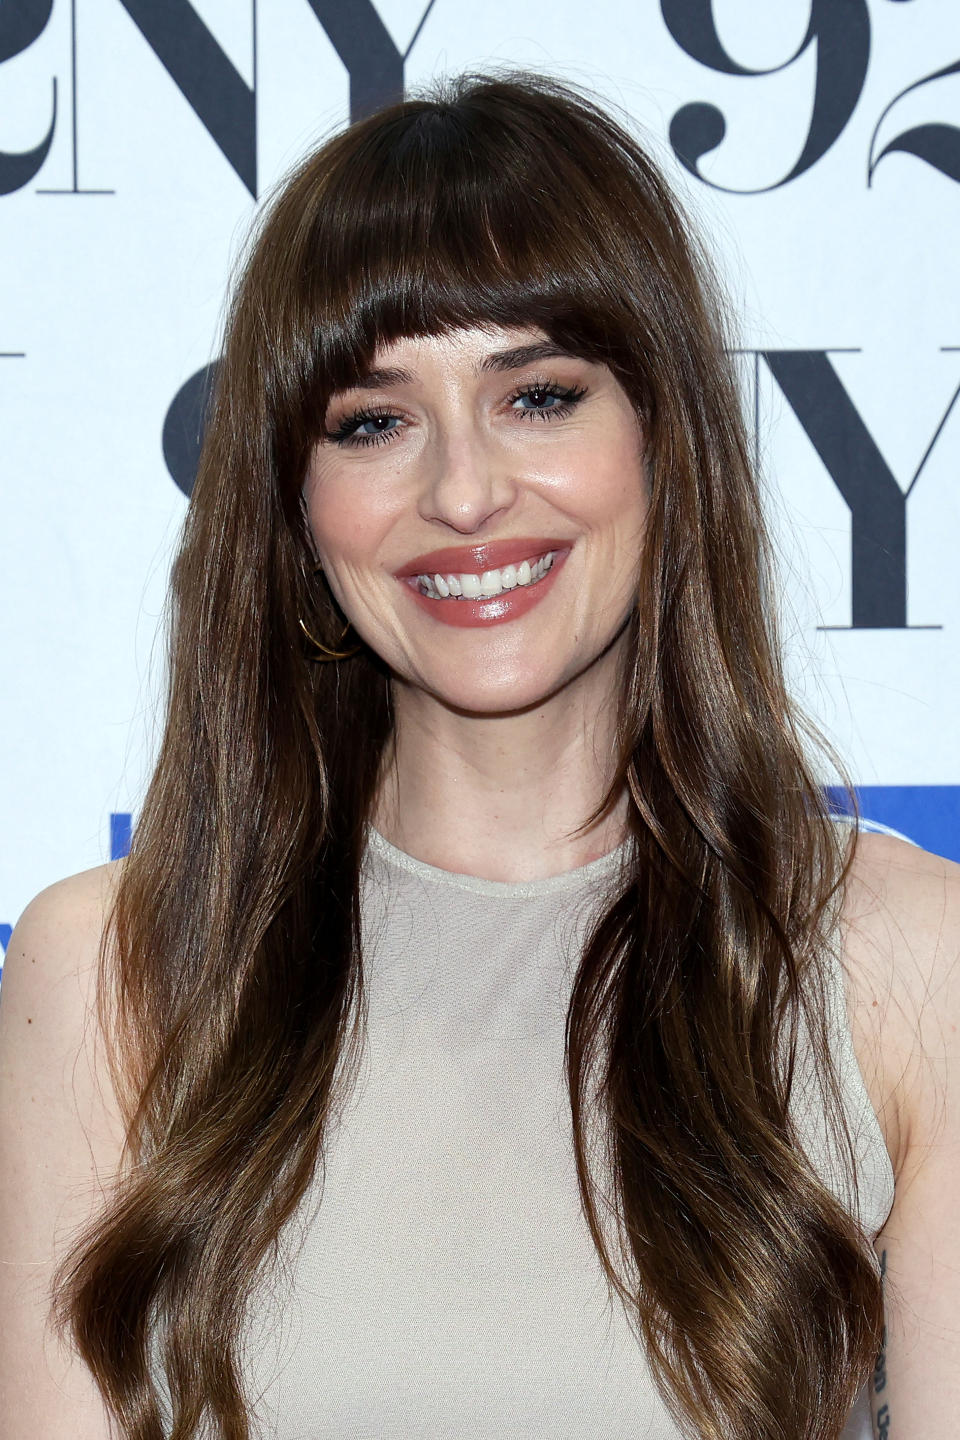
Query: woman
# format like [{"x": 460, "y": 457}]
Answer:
[{"x": 469, "y": 1052}]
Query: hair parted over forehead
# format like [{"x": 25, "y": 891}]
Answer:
[{"x": 485, "y": 201}]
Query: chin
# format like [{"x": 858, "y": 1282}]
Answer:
[{"x": 501, "y": 694}]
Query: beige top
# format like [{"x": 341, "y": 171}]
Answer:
[{"x": 447, "y": 1284}]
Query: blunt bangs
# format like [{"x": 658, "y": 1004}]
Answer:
[{"x": 444, "y": 215}]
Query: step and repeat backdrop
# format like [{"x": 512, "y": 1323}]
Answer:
[{"x": 816, "y": 143}]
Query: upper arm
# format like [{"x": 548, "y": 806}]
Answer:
[
  {"x": 60, "y": 1142},
  {"x": 915, "y": 922}
]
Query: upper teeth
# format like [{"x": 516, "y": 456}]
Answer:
[{"x": 485, "y": 586}]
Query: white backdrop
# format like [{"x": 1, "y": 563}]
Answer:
[
  {"x": 817, "y": 143},
  {"x": 135, "y": 140}
]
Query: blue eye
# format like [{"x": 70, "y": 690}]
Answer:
[
  {"x": 378, "y": 422},
  {"x": 539, "y": 396},
  {"x": 562, "y": 398},
  {"x": 375, "y": 427},
  {"x": 352, "y": 430}
]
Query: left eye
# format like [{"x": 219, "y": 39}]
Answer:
[
  {"x": 547, "y": 400},
  {"x": 538, "y": 397},
  {"x": 380, "y": 424}
]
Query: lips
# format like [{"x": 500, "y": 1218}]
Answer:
[{"x": 475, "y": 559}]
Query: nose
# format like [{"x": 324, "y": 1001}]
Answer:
[{"x": 467, "y": 482}]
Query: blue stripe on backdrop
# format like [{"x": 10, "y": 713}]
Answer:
[
  {"x": 120, "y": 824},
  {"x": 929, "y": 815}
]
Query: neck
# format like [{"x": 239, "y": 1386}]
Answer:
[{"x": 502, "y": 796}]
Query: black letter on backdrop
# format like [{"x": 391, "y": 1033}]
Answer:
[
  {"x": 878, "y": 507},
  {"x": 938, "y": 144},
  {"x": 375, "y": 67},
  {"x": 222, "y": 99},
  {"x": 205, "y": 76},
  {"x": 842, "y": 35},
  {"x": 22, "y": 22},
  {"x": 184, "y": 425},
  {"x": 366, "y": 47}
]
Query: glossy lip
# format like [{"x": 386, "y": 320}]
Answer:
[
  {"x": 497, "y": 609},
  {"x": 474, "y": 559}
]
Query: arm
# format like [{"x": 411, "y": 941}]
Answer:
[
  {"x": 911, "y": 927},
  {"x": 60, "y": 1141}
]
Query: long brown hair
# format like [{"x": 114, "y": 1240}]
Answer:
[{"x": 232, "y": 986}]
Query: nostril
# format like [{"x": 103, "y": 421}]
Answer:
[{"x": 467, "y": 506}]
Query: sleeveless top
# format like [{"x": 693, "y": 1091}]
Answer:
[{"x": 439, "y": 1279}]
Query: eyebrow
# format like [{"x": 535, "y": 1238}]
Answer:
[{"x": 496, "y": 362}]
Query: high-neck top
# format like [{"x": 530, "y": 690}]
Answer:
[{"x": 439, "y": 1279}]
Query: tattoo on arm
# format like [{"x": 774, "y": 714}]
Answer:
[{"x": 878, "y": 1380}]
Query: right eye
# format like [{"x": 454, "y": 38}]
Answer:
[{"x": 353, "y": 431}]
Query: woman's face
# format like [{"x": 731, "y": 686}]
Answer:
[{"x": 478, "y": 504}]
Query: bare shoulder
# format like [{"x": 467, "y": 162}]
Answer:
[
  {"x": 901, "y": 937},
  {"x": 55, "y": 945},
  {"x": 903, "y": 952},
  {"x": 905, "y": 891},
  {"x": 61, "y": 1146},
  {"x": 71, "y": 912},
  {"x": 48, "y": 1034}
]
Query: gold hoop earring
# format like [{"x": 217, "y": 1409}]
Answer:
[{"x": 324, "y": 651}]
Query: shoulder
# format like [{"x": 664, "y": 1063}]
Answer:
[
  {"x": 902, "y": 891},
  {"x": 900, "y": 926},
  {"x": 48, "y": 999},
  {"x": 903, "y": 939},
  {"x": 52, "y": 958},
  {"x": 61, "y": 1145},
  {"x": 58, "y": 936},
  {"x": 71, "y": 911}
]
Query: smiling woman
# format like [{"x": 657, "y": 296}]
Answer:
[
  {"x": 479, "y": 767},
  {"x": 533, "y": 458}
]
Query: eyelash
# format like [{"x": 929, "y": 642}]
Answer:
[{"x": 568, "y": 395}]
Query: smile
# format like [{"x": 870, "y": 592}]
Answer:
[
  {"x": 487, "y": 585},
  {"x": 492, "y": 583}
]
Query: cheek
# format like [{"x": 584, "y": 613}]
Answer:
[
  {"x": 346, "y": 519},
  {"x": 615, "y": 492},
  {"x": 328, "y": 522},
  {"x": 620, "y": 508}
]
